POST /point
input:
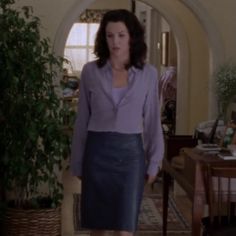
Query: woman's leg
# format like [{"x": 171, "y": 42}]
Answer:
[
  {"x": 123, "y": 233},
  {"x": 98, "y": 233}
]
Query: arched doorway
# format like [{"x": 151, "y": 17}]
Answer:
[{"x": 214, "y": 42}]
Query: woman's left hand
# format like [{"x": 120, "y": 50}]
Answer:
[{"x": 151, "y": 179}]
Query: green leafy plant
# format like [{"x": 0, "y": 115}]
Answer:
[
  {"x": 225, "y": 78},
  {"x": 33, "y": 144}
]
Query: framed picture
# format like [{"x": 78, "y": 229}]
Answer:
[{"x": 164, "y": 48}]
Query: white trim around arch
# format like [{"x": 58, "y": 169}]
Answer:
[
  {"x": 182, "y": 114},
  {"x": 66, "y": 24}
]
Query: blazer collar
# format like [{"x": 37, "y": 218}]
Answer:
[
  {"x": 106, "y": 81},
  {"x": 108, "y": 67}
]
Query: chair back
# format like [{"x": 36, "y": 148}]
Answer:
[
  {"x": 173, "y": 144},
  {"x": 221, "y": 193}
]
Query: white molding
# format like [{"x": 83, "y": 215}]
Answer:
[{"x": 66, "y": 24}]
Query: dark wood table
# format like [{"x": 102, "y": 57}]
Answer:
[{"x": 192, "y": 179}]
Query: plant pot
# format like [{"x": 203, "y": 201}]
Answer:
[{"x": 33, "y": 222}]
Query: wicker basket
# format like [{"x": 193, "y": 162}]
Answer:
[{"x": 36, "y": 222}]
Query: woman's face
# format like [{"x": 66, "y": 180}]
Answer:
[{"x": 118, "y": 39}]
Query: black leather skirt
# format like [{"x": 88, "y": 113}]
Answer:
[{"x": 112, "y": 181}]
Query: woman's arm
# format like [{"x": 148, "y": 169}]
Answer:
[
  {"x": 80, "y": 127},
  {"x": 153, "y": 134}
]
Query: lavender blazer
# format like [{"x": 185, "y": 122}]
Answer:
[{"x": 137, "y": 112}]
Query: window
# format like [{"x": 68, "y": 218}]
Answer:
[{"x": 79, "y": 46}]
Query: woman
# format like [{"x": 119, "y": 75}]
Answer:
[{"x": 117, "y": 131}]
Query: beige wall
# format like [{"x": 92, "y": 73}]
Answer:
[
  {"x": 222, "y": 17},
  {"x": 53, "y": 12},
  {"x": 105, "y": 4}
]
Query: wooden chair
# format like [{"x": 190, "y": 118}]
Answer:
[
  {"x": 173, "y": 144},
  {"x": 221, "y": 200}
]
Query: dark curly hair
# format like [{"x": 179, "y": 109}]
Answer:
[{"x": 138, "y": 47}]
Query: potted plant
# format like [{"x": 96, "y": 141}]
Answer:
[
  {"x": 33, "y": 144},
  {"x": 225, "y": 78}
]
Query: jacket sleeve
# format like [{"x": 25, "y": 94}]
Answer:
[
  {"x": 153, "y": 134},
  {"x": 80, "y": 126}
]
